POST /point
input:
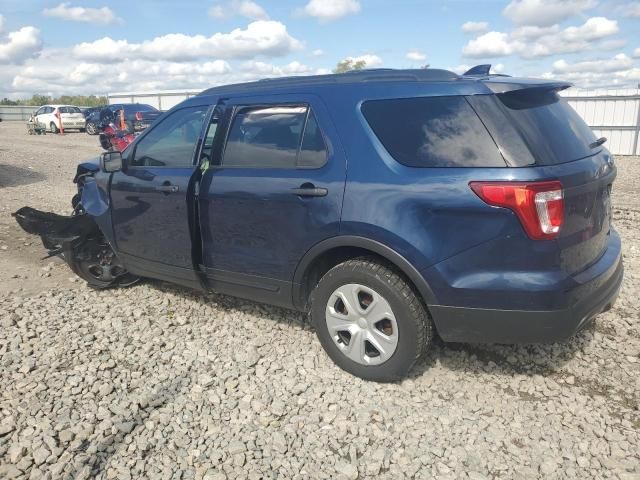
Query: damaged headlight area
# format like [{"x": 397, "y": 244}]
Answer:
[{"x": 77, "y": 239}]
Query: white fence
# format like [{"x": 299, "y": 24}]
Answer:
[
  {"x": 614, "y": 114},
  {"x": 160, "y": 100}
]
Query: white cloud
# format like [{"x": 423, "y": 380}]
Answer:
[
  {"x": 1, "y": 23},
  {"x": 244, "y": 8},
  {"x": 615, "y": 64},
  {"x": 631, "y": 9},
  {"x": 329, "y": 10},
  {"x": 416, "y": 56},
  {"x": 57, "y": 73},
  {"x": 20, "y": 45},
  {"x": 475, "y": 27},
  {"x": 618, "y": 71},
  {"x": 318, "y": 52},
  {"x": 636, "y": 53},
  {"x": 267, "y": 69},
  {"x": 262, "y": 37},
  {"x": 543, "y": 13},
  {"x": 533, "y": 42},
  {"x": 370, "y": 60},
  {"x": 492, "y": 44},
  {"x": 65, "y": 11}
]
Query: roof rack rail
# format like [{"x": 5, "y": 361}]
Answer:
[{"x": 358, "y": 76}]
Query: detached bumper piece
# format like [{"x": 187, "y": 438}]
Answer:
[{"x": 54, "y": 230}]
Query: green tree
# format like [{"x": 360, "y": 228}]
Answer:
[
  {"x": 80, "y": 100},
  {"x": 348, "y": 64}
]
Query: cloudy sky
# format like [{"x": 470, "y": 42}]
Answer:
[{"x": 96, "y": 47}]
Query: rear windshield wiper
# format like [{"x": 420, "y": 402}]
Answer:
[{"x": 598, "y": 142}]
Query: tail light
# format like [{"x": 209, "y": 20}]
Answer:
[
  {"x": 538, "y": 205},
  {"x": 138, "y": 116}
]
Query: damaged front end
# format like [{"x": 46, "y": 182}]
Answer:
[{"x": 79, "y": 238}]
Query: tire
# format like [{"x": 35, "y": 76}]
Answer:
[
  {"x": 53, "y": 127},
  {"x": 372, "y": 284},
  {"x": 91, "y": 128},
  {"x": 95, "y": 262}
]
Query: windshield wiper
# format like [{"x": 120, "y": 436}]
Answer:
[{"x": 598, "y": 142}]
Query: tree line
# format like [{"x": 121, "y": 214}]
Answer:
[{"x": 78, "y": 100}]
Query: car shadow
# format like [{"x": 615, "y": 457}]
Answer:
[
  {"x": 527, "y": 359},
  {"x": 12, "y": 176},
  {"x": 508, "y": 360}
]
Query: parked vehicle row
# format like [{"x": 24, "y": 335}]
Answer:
[
  {"x": 55, "y": 117},
  {"x": 387, "y": 204},
  {"x": 137, "y": 117}
]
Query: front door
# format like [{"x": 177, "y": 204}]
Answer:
[
  {"x": 273, "y": 190},
  {"x": 151, "y": 217}
]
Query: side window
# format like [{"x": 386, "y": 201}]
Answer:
[
  {"x": 40, "y": 111},
  {"x": 265, "y": 137},
  {"x": 171, "y": 142},
  {"x": 432, "y": 132},
  {"x": 313, "y": 151}
]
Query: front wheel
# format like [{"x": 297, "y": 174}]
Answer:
[
  {"x": 369, "y": 320},
  {"x": 95, "y": 262},
  {"x": 91, "y": 128},
  {"x": 54, "y": 128}
]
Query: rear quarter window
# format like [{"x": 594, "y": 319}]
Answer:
[
  {"x": 432, "y": 132},
  {"x": 551, "y": 129}
]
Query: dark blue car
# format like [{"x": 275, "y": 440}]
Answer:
[{"x": 388, "y": 204}]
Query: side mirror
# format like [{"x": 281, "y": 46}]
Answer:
[{"x": 111, "y": 162}]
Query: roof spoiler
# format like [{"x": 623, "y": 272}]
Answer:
[{"x": 499, "y": 85}]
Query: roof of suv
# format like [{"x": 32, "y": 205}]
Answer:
[
  {"x": 478, "y": 81},
  {"x": 356, "y": 76}
]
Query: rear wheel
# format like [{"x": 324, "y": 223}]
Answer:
[
  {"x": 96, "y": 263},
  {"x": 91, "y": 128},
  {"x": 369, "y": 320},
  {"x": 54, "y": 128}
]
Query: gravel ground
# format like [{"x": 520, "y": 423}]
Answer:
[{"x": 158, "y": 382}]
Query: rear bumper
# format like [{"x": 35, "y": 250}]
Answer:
[{"x": 595, "y": 291}]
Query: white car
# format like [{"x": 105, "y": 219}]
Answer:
[{"x": 50, "y": 115}]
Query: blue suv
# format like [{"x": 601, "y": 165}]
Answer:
[{"x": 389, "y": 204}]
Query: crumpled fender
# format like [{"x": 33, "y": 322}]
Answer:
[{"x": 95, "y": 202}]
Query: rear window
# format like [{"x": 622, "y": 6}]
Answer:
[
  {"x": 432, "y": 132},
  {"x": 552, "y": 130},
  {"x": 69, "y": 110},
  {"x": 138, "y": 107}
]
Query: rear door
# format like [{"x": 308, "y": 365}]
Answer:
[
  {"x": 152, "y": 219},
  {"x": 274, "y": 189}
]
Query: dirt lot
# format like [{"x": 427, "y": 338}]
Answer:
[{"x": 158, "y": 382}]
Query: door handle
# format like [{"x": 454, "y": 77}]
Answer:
[
  {"x": 167, "y": 188},
  {"x": 309, "y": 190}
]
